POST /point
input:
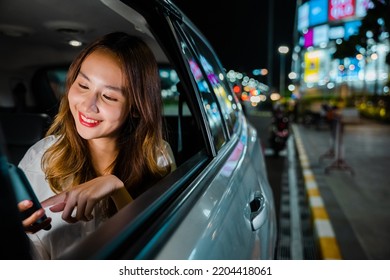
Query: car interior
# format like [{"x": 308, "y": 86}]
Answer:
[
  {"x": 36, "y": 51},
  {"x": 38, "y": 41}
]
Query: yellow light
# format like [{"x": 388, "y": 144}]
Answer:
[
  {"x": 263, "y": 72},
  {"x": 275, "y": 96},
  {"x": 359, "y": 56}
]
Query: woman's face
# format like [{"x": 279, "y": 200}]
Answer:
[{"x": 96, "y": 97}]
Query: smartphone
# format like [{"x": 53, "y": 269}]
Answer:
[{"x": 24, "y": 191}]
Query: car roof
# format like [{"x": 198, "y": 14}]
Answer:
[{"x": 38, "y": 32}]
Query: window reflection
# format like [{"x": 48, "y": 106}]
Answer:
[{"x": 209, "y": 102}]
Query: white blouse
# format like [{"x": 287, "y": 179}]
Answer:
[{"x": 52, "y": 243}]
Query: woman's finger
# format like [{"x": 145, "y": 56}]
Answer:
[
  {"x": 33, "y": 218},
  {"x": 37, "y": 227},
  {"x": 24, "y": 205},
  {"x": 58, "y": 207},
  {"x": 55, "y": 199}
]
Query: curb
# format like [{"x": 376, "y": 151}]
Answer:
[{"x": 326, "y": 238}]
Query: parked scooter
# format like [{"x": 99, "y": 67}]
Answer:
[{"x": 279, "y": 131}]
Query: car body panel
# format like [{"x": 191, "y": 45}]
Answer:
[{"x": 223, "y": 213}]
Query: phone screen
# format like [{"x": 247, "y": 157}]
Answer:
[{"x": 24, "y": 191}]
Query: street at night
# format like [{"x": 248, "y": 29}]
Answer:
[{"x": 355, "y": 194}]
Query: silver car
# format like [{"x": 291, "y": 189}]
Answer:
[{"x": 218, "y": 203}]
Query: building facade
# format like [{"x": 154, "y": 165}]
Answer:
[{"x": 321, "y": 27}]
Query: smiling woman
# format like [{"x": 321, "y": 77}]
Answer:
[{"x": 99, "y": 132}]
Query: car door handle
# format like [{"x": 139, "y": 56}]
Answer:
[{"x": 258, "y": 211}]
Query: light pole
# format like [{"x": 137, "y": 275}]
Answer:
[{"x": 283, "y": 50}]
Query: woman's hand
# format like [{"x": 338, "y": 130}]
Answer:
[
  {"x": 30, "y": 224},
  {"x": 84, "y": 197}
]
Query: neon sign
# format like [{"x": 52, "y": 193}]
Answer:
[{"x": 340, "y": 9}]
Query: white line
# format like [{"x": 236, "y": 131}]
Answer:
[
  {"x": 295, "y": 218},
  {"x": 324, "y": 228},
  {"x": 316, "y": 201}
]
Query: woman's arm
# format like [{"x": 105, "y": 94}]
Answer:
[
  {"x": 85, "y": 196},
  {"x": 121, "y": 197}
]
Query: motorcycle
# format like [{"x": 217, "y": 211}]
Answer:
[{"x": 280, "y": 132}]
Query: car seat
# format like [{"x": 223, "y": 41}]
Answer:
[
  {"x": 21, "y": 131},
  {"x": 45, "y": 98}
]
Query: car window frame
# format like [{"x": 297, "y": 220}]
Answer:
[
  {"x": 206, "y": 49},
  {"x": 182, "y": 35}
]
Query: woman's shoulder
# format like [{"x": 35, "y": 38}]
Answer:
[{"x": 33, "y": 156}]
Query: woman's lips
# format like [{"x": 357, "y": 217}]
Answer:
[{"x": 88, "y": 122}]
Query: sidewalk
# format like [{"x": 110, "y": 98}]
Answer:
[{"x": 356, "y": 205}]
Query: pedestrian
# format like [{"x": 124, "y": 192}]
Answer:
[{"x": 105, "y": 146}]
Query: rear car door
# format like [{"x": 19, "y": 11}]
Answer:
[{"x": 234, "y": 216}]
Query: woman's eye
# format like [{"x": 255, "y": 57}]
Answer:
[
  {"x": 83, "y": 86},
  {"x": 109, "y": 98}
]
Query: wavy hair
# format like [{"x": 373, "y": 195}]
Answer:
[{"x": 68, "y": 162}]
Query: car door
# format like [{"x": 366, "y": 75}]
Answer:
[{"x": 234, "y": 216}]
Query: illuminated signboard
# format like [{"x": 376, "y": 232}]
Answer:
[
  {"x": 303, "y": 16},
  {"x": 336, "y": 32},
  {"x": 308, "y": 37},
  {"x": 318, "y": 12},
  {"x": 341, "y": 9},
  {"x": 362, "y": 7},
  {"x": 320, "y": 34},
  {"x": 312, "y": 66},
  {"x": 352, "y": 28}
]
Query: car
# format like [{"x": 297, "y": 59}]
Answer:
[{"x": 218, "y": 203}]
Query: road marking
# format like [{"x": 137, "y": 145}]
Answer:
[
  {"x": 327, "y": 241},
  {"x": 295, "y": 226}
]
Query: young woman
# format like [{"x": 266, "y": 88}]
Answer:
[{"x": 105, "y": 146}]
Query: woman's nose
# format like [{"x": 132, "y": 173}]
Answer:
[{"x": 90, "y": 103}]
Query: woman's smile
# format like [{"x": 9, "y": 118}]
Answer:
[{"x": 88, "y": 122}]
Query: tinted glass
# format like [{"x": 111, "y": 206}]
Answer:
[
  {"x": 217, "y": 79},
  {"x": 209, "y": 100}
]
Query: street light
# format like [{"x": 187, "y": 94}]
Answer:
[{"x": 283, "y": 50}]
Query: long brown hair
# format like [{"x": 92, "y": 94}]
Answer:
[{"x": 68, "y": 161}]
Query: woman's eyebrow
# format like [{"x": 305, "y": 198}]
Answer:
[
  {"x": 114, "y": 88},
  {"x": 82, "y": 74}
]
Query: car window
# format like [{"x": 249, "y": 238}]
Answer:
[
  {"x": 210, "y": 103},
  {"x": 182, "y": 131},
  {"x": 217, "y": 79},
  {"x": 170, "y": 92}
]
